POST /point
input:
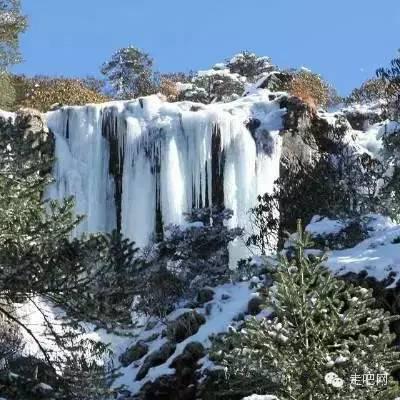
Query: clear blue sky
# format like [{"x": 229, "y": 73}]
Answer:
[{"x": 344, "y": 40}]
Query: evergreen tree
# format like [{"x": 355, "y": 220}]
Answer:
[
  {"x": 321, "y": 339},
  {"x": 39, "y": 262},
  {"x": 110, "y": 296},
  {"x": 186, "y": 260},
  {"x": 12, "y": 24},
  {"x": 250, "y": 65},
  {"x": 391, "y": 80},
  {"x": 129, "y": 72},
  {"x": 214, "y": 85}
]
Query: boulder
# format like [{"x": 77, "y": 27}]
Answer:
[
  {"x": 255, "y": 305},
  {"x": 134, "y": 353},
  {"x": 184, "y": 326},
  {"x": 156, "y": 358},
  {"x": 43, "y": 389},
  {"x": 204, "y": 295},
  {"x": 189, "y": 357},
  {"x": 183, "y": 384}
]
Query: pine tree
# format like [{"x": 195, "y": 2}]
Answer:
[
  {"x": 110, "y": 296},
  {"x": 39, "y": 262},
  {"x": 12, "y": 24},
  {"x": 321, "y": 339},
  {"x": 250, "y": 65},
  {"x": 129, "y": 72},
  {"x": 390, "y": 78}
]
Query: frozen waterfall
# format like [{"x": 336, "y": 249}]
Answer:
[{"x": 140, "y": 165}]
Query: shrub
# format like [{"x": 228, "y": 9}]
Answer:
[
  {"x": 158, "y": 293},
  {"x": 312, "y": 89},
  {"x": 170, "y": 83},
  {"x": 250, "y": 65},
  {"x": 7, "y": 92},
  {"x": 391, "y": 79},
  {"x": 43, "y": 92},
  {"x": 215, "y": 85},
  {"x": 130, "y": 73},
  {"x": 370, "y": 90}
]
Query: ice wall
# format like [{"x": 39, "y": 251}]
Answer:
[{"x": 140, "y": 165}]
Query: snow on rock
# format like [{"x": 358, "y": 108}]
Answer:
[
  {"x": 7, "y": 115},
  {"x": 229, "y": 301},
  {"x": 127, "y": 162},
  {"x": 324, "y": 226},
  {"x": 261, "y": 397},
  {"x": 378, "y": 255}
]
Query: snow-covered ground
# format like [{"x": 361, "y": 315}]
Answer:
[
  {"x": 378, "y": 255},
  {"x": 229, "y": 301}
]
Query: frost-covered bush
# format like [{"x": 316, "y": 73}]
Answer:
[
  {"x": 188, "y": 258},
  {"x": 391, "y": 80},
  {"x": 228, "y": 80},
  {"x": 250, "y": 66},
  {"x": 158, "y": 292},
  {"x": 171, "y": 84},
  {"x": 130, "y": 73},
  {"x": 12, "y": 24},
  {"x": 214, "y": 85}
]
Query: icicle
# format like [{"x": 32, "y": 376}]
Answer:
[{"x": 168, "y": 159}]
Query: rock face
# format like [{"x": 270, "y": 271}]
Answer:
[{"x": 306, "y": 135}]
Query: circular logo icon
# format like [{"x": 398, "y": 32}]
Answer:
[{"x": 332, "y": 379}]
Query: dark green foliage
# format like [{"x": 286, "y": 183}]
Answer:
[
  {"x": 250, "y": 65},
  {"x": 186, "y": 260},
  {"x": 371, "y": 90},
  {"x": 320, "y": 325},
  {"x": 109, "y": 297},
  {"x": 341, "y": 183},
  {"x": 265, "y": 223},
  {"x": 130, "y": 74},
  {"x": 158, "y": 291},
  {"x": 391, "y": 79},
  {"x": 40, "y": 261}
]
